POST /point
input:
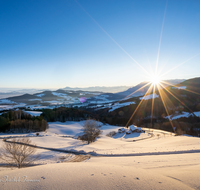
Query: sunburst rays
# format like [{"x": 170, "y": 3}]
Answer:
[
  {"x": 168, "y": 83},
  {"x": 177, "y": 98},
  {"x": 156, "y": 70},
  {"x": 155, "y": 81},
  {"x": 148, "y": 91},
  {"x": 113, "y": 39},
  {"x": 152, "y": 106},
  {"x": 164, "y": 93}
]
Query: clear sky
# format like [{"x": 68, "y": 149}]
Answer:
[{"x": 54, "y": 44}]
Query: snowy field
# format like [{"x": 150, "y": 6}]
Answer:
[
  {"x": 180, "y": 87},
  {"x": 184, "y": 114},
  {"x": 9, "y": 107},
  {"x": 154, "y": 160},
  {"x": 148, "y": 97},
  {"x": 33, "y": 113},
  {"x": 119, "y": 105}
]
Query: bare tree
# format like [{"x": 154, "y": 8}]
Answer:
[
  {"x": 19, "y": 152},
  {"x": 91, "y": 130}
]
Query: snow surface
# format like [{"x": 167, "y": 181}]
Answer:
[
  {"x": 133, "y": 127},
  {"x": 160, "y": 162},
  {"x": 180, "y": 87},
  {"x": 8, "y": 107},
  {"x": 184, "y": 114},
  {"x": 40, "y": 95},
  {"x": 102, "y": 96},
  {"x": 34, "y": 113},
  {"x": 101, "y": 99},
  {"x": 59, "y": 94},
  {"x": 36, "y": 107},
  {"x": 151, "y": 96},
  {"x": 55, "y": 137},
  {"x": 119, "y": 105},
  {"x": 54, "y": 102},
  {"x": 35, "y": 99},
  {"x": 6, "y": 101},
  {"x": 67, "y": 128},
  {"x": 109, "y": 173},
  {"x": 5, "y": 107}
]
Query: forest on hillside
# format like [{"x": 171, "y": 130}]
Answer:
[
  {"x": 19, "y": 121},
  {"x": 123, "y": 116},
  {"x": 63, "y": 114}
]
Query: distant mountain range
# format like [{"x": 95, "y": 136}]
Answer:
[
  {"x": 10, "y": 92},
  {"x": 105, "y": 89},
  {"x": 122, "y": 90},
  {"x": 67, "y": 96},
  {"x": 144, "y": 90}
]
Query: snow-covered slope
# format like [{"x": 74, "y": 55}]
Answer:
[
  {"x": 34, "y": 113},
  {"x": 184, "y": 114},
  {"x": 119, "y": 105},
  {"x": 151, "y": 96},
  {"x": 167, "y": 162}
]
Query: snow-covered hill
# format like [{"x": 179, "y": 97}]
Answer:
[{"x": 160, "y": 162}]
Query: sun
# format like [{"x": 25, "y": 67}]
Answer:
[{"x": 155, "y": 79}]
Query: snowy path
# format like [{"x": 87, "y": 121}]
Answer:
[
  {"x": 112, "y": 155},
  {"x": 60, "y": 141},
  {"x": 149, "y": 153},
  {"x": 163, "y": 161},
  {"x": 46, "y": 148}
]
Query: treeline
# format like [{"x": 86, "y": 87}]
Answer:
[
  {"x": 142, "y": 117},
  {"x": 63, "y": 114},
  {"x": 19, "y": 121},
  {"x": 190, "y": 125}
]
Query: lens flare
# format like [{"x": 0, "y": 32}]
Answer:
[{"x": 83, "y": 99}]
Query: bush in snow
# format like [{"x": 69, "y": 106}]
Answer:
[
  {"x": 111, "y": 134},
  {"x": 158, "y": 135},
  {"x": 19, "y": 152},
  {"x": 91, "y": 130}
]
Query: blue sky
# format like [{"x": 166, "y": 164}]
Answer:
[{"x": 53, "y": 44}]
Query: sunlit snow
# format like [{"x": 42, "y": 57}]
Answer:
[{"x": 151, "y": 96}]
